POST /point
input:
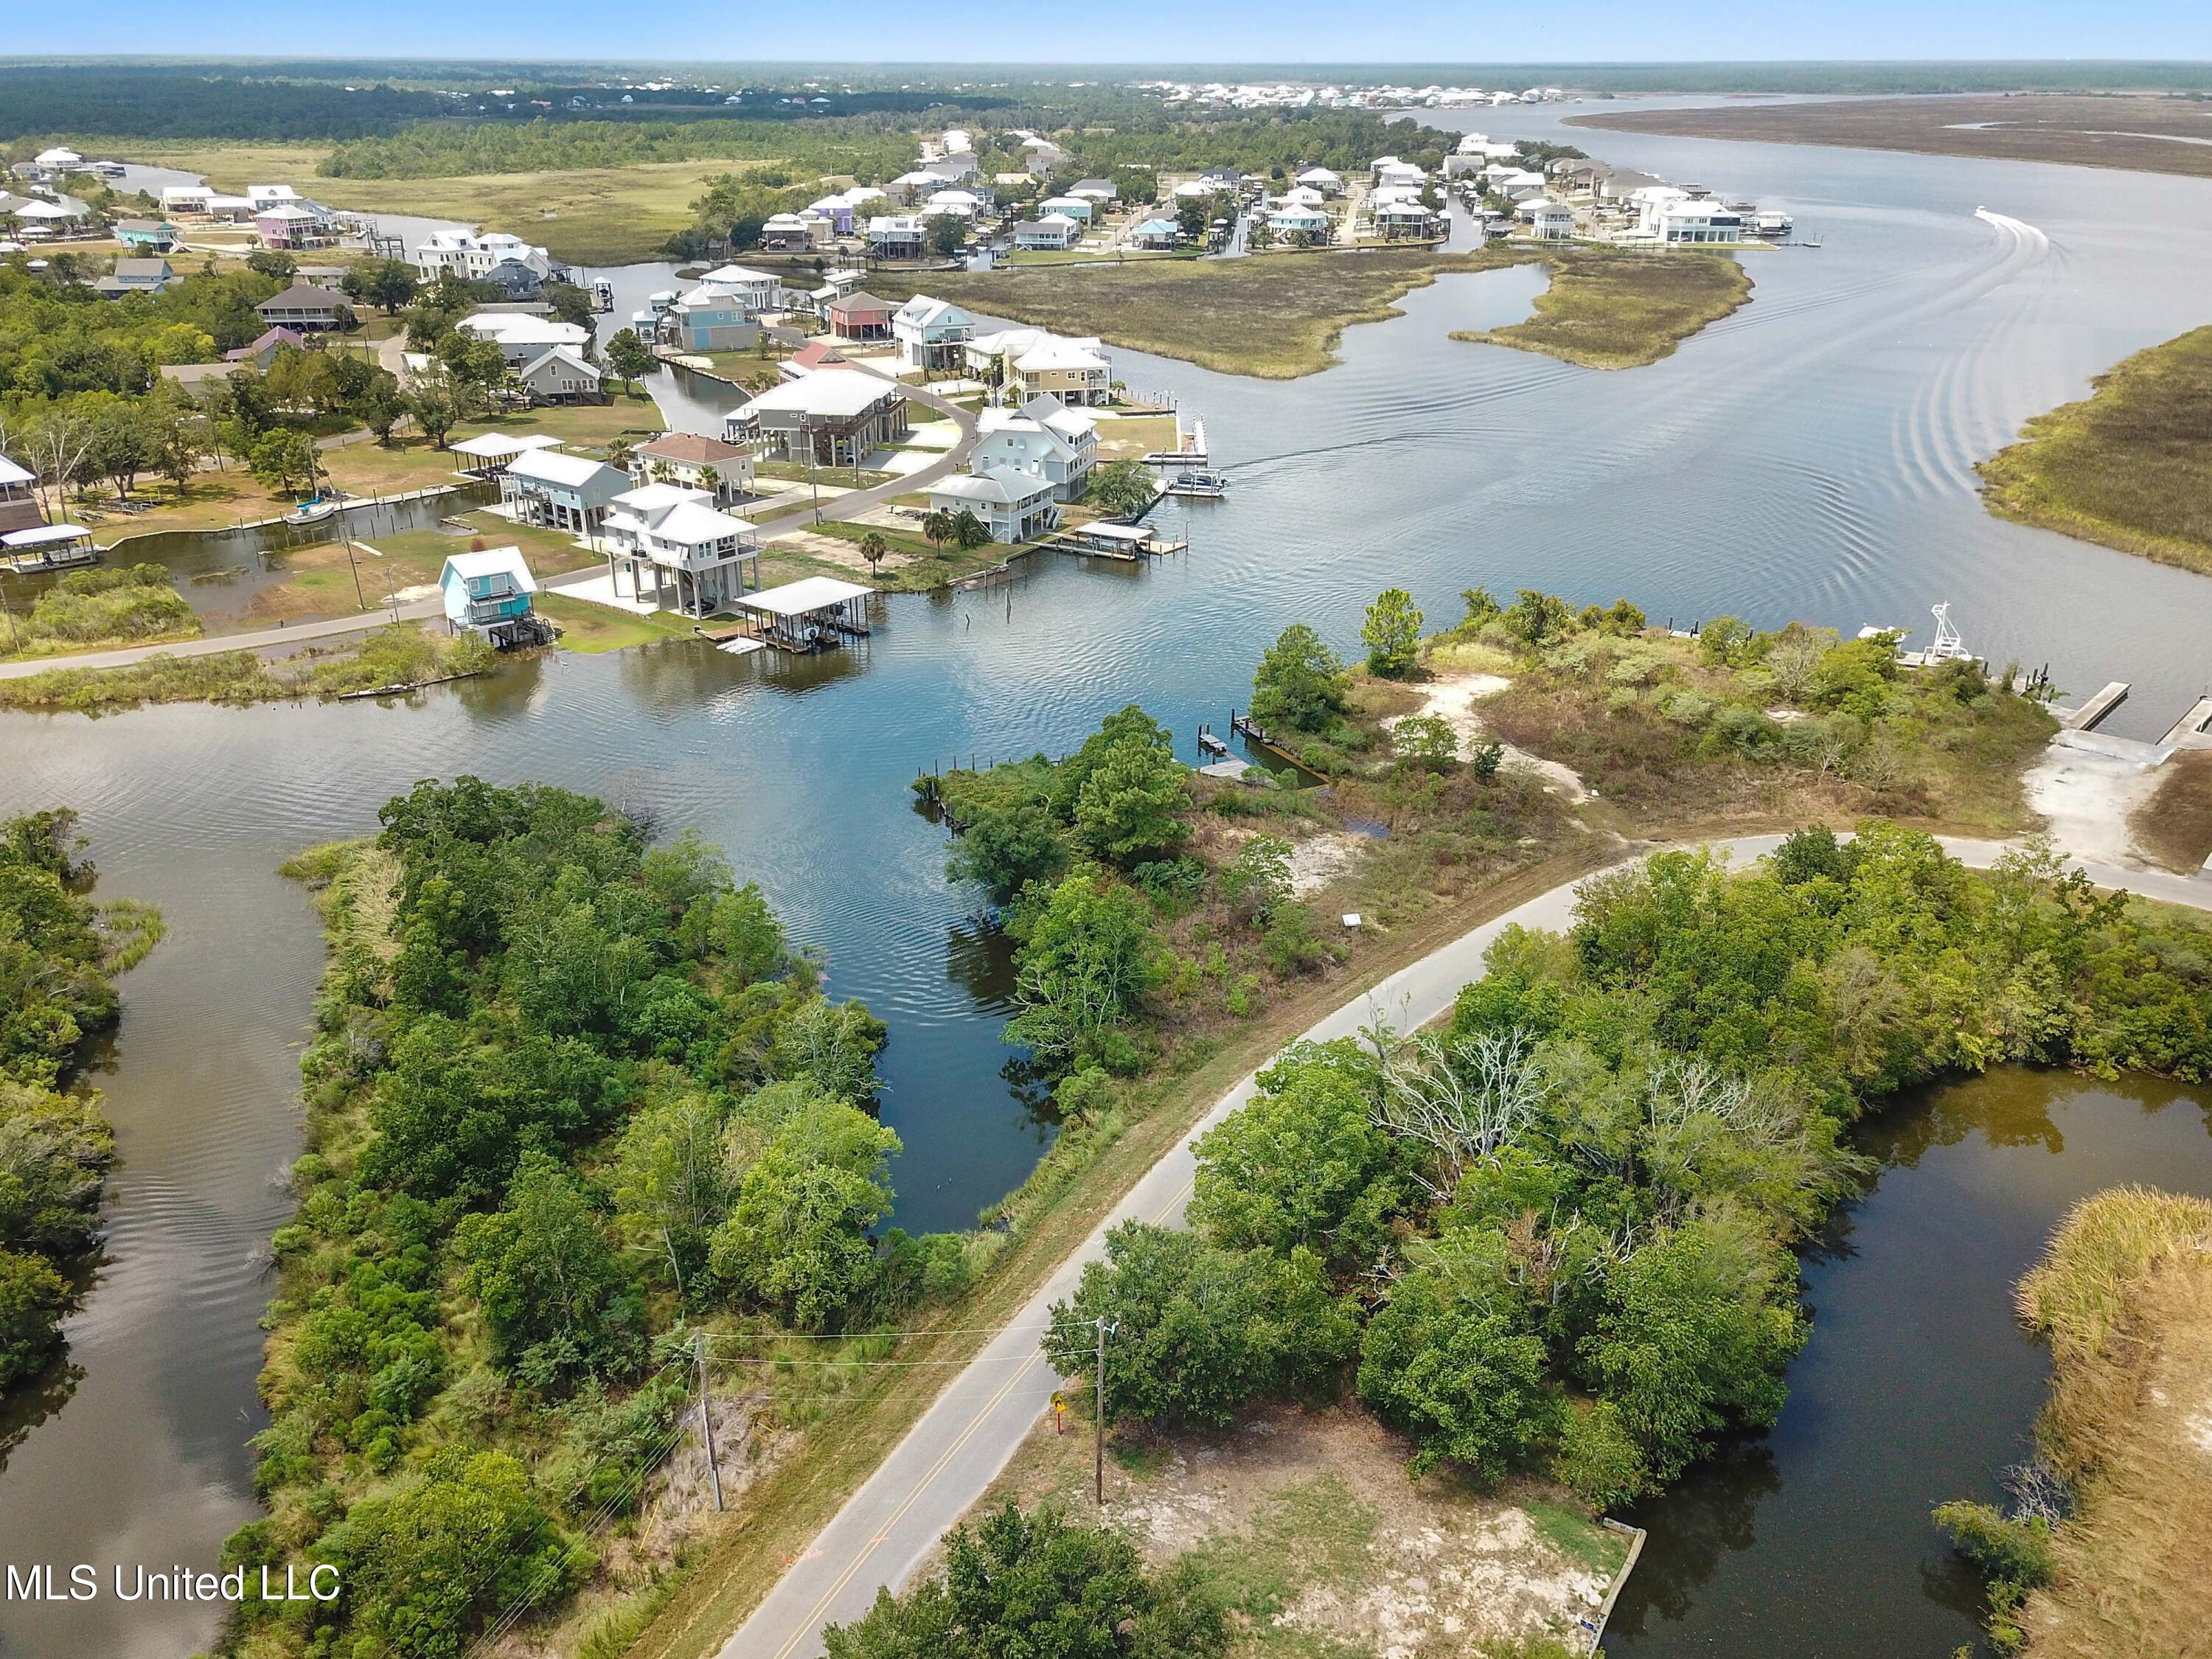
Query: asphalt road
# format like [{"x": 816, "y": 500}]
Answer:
[{"x": 952, "y": 1455}]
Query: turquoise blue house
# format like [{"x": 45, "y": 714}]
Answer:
[{"x": 488, "y": 594}]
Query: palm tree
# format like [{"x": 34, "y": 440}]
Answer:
[
  {"x": 872, "y": 549},
  {"x": 710, "y": 480},
  {"x": 937, "y": 524}
]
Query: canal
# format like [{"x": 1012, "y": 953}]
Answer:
[{"x": 1811, "y": 456}]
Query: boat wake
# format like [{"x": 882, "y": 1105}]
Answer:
[{"x": 2029, "y": 236}]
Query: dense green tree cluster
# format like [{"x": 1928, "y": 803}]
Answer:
[
  {"x": 1087, "y": 855},
  {"x": 872, "y": 149},
  {"x": 55, "y": 996},
  {"x": 1042, "y": 1586},
  {"x": 569, "y": 1089},
  {"x": 1560, "y": 1230}
]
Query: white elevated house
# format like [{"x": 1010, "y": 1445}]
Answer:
[
  {"x": 1322, "y": 180},
  {"x": 1074, "y": 207},
  {"x": 1055, "y": 231},
  {"x": 896, "y": 236},
  {"x": 1101, "y": 190},
  {"x": 672, "y": 547},
  {"x": 932, "y": 334},
  {"x": 1697, "y": 219},
  {"x": 827, "y": 419},
  {"x": 1389, "y": 170},
  {"x": 1013, "y": 506},
  {"x": 187, "y": 198},
  {"x": 752, "y": 291},
  {"x": 1548, "y": 220},
  {"x": 523, "y": 338},
  {"x": 471, "y": 257},
  {"x": 1042, "y": 440}
]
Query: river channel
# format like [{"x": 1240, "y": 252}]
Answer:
[{"x": 1811, "y": 456}]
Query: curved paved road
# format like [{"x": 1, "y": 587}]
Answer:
[
  {"x": 849, "y": 505},
  {"x": 967, "y": 1435}
]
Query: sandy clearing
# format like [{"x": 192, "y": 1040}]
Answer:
[
  {"x": 2085, "y": 792},
  {"x": 1452, "y": 697}
]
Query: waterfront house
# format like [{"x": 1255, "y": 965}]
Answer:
[
  {"x": 1698, "y": 219},
  {"x": 672, "y": 547},
  {"x": 752, "y": 292},
  {"x": 1158, "y": 235},
  {"x": 829, "y": 419},
  {"x": 1299, "y": 224},
  {"x": 896, "y": 236},
  {"x": 688, "y": 459},
  {"x": 289, "y": 225},
  {"x": 147, "y": 235},
  {"x": 560, "y": 491},
  {"x": 558, "y": 375},
  {"x": 787, "y": 232},
  {"x": 1321, "y": 179},
  {"x": 270, "y": 196},
  {"x": 858, "y": 315},
  {"x": 471, "y": 257},
  {"x": 932, "y": 333},
  {"x": 18, "y": 498},
  {"x": 303, "y": 306},
  {"x": 1055, "y": 231},
  {"x": 230, "y": 209},
  {"x": 703, "y": 320},
  {"x": 514, "y": 280},
  {"x": 1400, "y": 219},
  {"x": 487, "y": 592},
  {"x": 523, "y": 338},
  {"x": 1076, "y": 372},
  {"x": 136, "y": 276},
  {"x": 1013, "y": 506},
  {"x": 1548, "y": 220},
  {"x": 1041, "y": 438},
  {"x": 187, "y": 198}
]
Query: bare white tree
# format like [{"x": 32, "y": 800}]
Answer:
[{"x": 1463, "y": 1101}]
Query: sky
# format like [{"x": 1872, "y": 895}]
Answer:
[{"x": 1133, "y": 31}]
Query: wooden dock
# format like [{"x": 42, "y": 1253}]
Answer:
[
  {"x": 1102, "y": 539},
  {"x": 2194, "y": 729},
  {"x": 2091, "y": 713}
]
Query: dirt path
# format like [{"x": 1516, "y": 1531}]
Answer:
[{"x": 1452, "y": 695}]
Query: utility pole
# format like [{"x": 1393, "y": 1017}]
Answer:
[
  {"x": 707, "y": 1418},
  {"x": 1099, "y": 1426}
]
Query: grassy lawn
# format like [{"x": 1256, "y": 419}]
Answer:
[
  {"x": 591, "y": 628},
  {"x": 1278, "y": 319},
  {"x": 844, "y": 477},
  {"x": 921, "y": 567},
  {"x": 748, "y": 369},
  {"x": 2129, "y": 465},
  {"x": 1135, "y": 435},
  {"x": 580, "y": 426},
  {"x": 319, "y": 581},
  {"x": 591, "y": 216},
  {"x": 1620, "y": 310}
]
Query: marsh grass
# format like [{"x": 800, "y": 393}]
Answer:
[
  {"x": 2129, "y": 467},
  {"x": 2125, "y": 1297},
  {"x": 1608, "y": 310}
]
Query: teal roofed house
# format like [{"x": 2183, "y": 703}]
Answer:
[{"x": 488, "y": 594}]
